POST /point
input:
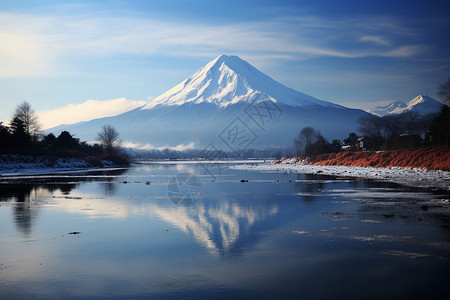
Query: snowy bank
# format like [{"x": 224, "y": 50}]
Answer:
[
  {"x": 407, "y": 176},
  {"x": 16, "y": 164}
]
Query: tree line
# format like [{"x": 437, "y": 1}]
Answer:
[
  {"x": 24, "y": 136},
  {"x": 406, "y": 130}
]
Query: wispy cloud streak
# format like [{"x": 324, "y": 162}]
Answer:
[{"x": 34, "y": 45}]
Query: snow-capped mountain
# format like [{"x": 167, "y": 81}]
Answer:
[
  {"x": 229, "y": 80},
  {"x": 229, "y": 104},
  {"x": 387, "y": 109},
  {"x": 422, "y": 104}
]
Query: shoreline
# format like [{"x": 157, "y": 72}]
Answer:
[
  {"x": 416, "y": 177},
  {"x": 18, "y": 165},
  {"x": 430, "y": 158},
  {"x": 41, "y": 165},
  {"x": 55, "y": 172},
  {"x": 435, "y": 179}
]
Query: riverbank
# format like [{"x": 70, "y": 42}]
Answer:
[
  {"x": 430, "y": 158},
  {"x": 437, "y": 179},
  {"x": 18, "y": 164}
]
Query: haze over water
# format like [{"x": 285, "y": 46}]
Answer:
[{"x": 188, "y": 230}]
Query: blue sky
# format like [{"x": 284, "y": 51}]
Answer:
[{"x": 117, "y": 54}]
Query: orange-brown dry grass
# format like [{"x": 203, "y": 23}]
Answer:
[{"x": 430, "y": 158}]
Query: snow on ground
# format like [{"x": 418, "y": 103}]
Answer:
[
  {"x": 407, "y": 176},
  {"x": 14, "y": 164}
]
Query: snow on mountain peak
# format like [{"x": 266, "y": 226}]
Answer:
[
  {"x": 180, "y": 116},
  {"x": 419, "y": 99},
  {"x": 422, "y": 104},
  {"x": 387, "y": 109},
  {"x": 227, "y": 80}
]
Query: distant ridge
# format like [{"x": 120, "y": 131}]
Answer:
[{"x": 421, "y": 104}]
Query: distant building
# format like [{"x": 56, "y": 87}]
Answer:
[
  {"x": 370, "y": 143},
  {"x": 346, "y": 147},
  {"x": 362, "y": 143}
]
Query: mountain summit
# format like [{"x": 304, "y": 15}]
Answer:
[
  {"x": 226, "y": 97},
  {"x": 421, "y": 104},
  {"x": 228, "y": 80}
]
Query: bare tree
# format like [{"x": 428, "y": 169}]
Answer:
[
  {"x": 370, "y": 126},
  {"x": 109, "y": 138},
  {"x": 392, "y": 125},
  {"x": 444, "y": 91},
  {"x": 412, "y": 123},
  {"x": 306, "y": 138},
  {"x": 25, "y": 114}
]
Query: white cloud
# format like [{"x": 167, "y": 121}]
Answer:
[
  {"x": 375, "y": 39},
  {"x": 88, "y": 110},
  {"x": 405, "y": 51},
  {"x": 180, "y": 147},
  {"x": 34, "y": 45}
]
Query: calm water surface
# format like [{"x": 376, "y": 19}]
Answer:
[{"x": 185, "y": 230}]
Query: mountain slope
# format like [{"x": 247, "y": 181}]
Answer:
[
  {"x": 387, "y": 109},
  {"x": 225, "y": 97},
  {"x": 229, "y": 80},
  {"x": 422, "y": 104}
]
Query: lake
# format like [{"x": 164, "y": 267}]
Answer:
[{"x": 169, "y": 230}]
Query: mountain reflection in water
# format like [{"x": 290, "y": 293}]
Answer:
[
  {"x": 217, "y": 225},
  {"x": 275, "y": 235}
]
